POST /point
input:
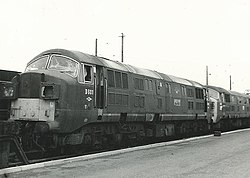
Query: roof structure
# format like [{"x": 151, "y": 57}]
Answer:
[
  {"x": 219, "y": 89},
  {"x": 86, "y": 58}
]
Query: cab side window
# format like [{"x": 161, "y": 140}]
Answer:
[{"x": 86, "y": 75}]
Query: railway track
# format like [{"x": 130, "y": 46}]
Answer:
[
  {"x": 93, "y": 155},
  {"x": 12, "y": 154}
]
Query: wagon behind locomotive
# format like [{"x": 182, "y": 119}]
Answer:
[{"x": 5, "y": 77}]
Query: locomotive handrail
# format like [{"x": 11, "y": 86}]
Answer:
[
  {"x": 106, "y": 92},
  {"x": 95, "y": 91}
]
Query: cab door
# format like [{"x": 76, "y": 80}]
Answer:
[{"x": 99, "y": 88}]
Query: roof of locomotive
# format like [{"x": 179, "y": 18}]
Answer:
[
  {"x": 239, "y": 94},
  {"x": 222, "y": 90},
  {"x": 86, "y": 58},
  {"x": 78, "y": 56},
  {"x": 219, "y": 89},
  {"x": 196, "y": 84}
]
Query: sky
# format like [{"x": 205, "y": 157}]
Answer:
[{"x": 176, "y": 37}]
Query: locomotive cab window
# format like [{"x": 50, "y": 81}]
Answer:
[
  {"x": 64, "y": 65},
  {"x": 86, "y": 74},
  {"x": 40, "y": 63}
]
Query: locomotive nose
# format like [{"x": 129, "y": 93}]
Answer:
[
  {"x": 30, "y": 85},
  {"x": 36, "y": 98}
]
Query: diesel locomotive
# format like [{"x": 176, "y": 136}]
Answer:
[{"x": 69, "y": 98}]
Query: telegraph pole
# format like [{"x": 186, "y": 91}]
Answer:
[
  {"x": 122, "y": 44},
  {"x": 207, "y": 75},
  {"x": 230, "y": 82},
  {"x": 96, "y": 47}
]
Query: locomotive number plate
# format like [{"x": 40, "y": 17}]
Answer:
[{"x": 89, "y": 91}]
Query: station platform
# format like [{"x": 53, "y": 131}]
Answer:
[{"x": 227, "y": 155}]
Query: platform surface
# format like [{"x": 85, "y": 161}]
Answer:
[{"x": 224, "y": 156}]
